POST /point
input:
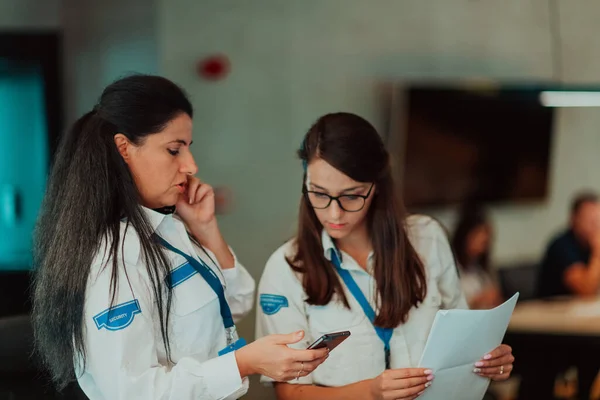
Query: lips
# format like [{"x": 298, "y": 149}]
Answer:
[
  {"x": 336, "y": 226},
  {"x": 180, "y": 187}
]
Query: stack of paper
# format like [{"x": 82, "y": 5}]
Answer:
[{"x": 457, "y": 340}]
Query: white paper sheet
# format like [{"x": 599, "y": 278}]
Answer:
[{"x": 457, "y": 340}]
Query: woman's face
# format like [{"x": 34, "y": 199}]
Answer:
[
  {"x": 323, "y": 179},
  {"x": 161, "y": 163},
  {"x": 478, "y": 241}
]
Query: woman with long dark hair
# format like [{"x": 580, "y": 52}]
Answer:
[
  {"x": 360, "y": 263},
  {"x": 472, "y": 242},
  {"x": 136, "y": 291}
]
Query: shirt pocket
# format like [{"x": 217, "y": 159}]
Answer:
[
  {"x": 333, "y": 317},
  {"x": 341, "y": 367},
  {"x": 196, "y": 321}
]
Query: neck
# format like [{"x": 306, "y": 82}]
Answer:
[
  {"x": 581, "y": 238},
  {"x": 357, "y": 244},
  {"x": 165, "y": 210}
]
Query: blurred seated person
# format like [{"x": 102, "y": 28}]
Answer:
[
  {"x": 570, "y": 267},
  {"x": 472, "y": 244},
  {"x": 571, "y": 264}
]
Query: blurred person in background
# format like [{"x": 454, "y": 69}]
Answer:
[
  {"x": 570, "y": 267},
  {"x": 571, "y": 264},
  {"x": 472, "y": 242}
]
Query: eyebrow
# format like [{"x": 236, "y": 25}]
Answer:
[
  {"x": 180, "y": 141},
  {"x": 343, "y": 191}
]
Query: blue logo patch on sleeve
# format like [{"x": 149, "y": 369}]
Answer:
[
  {"x": 118, "y": 317},
  {"x": 272, "y": 303}
]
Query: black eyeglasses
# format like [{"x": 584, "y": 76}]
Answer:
[{"x": 347, "y": 202}]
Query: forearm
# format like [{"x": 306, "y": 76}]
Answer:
[
  {"x": 244, "y": 362},
  {"x": 584, "y": 279},
  {"x": 210, "y": 237},
  {"x": 591, "y": 281},
  {"x": 354, "y": 391}
]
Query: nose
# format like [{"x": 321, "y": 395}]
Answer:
[
  {"x": 335, "y": 211},
  {"x": 188, "y": 164}
]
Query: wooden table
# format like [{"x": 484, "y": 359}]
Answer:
[
  {"x": 553, "y": 334},
  {"x": 559, "y": 316}
]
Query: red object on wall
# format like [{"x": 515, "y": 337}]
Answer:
[
  {"x": 223, "y": 199},
  {"x": 214, "y": 67}
]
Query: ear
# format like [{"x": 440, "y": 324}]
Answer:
[{"x": 123, "y": 146}]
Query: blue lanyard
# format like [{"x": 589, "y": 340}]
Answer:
[
  {"x": 210, "y": 277},
  {"x": 385, "y": 334}
]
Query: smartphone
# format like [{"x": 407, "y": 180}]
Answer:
[{"x": 330, "y": 340}]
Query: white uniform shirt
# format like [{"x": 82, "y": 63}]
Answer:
[
  {"x": 283, "y": 309},
  {"x": 126, "y": 358}
]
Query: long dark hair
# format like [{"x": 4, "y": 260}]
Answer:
[
  {"x": 352, "y": 145},
  {"x": 90, "y": 191},
  {"x": 471, "y": 217}
]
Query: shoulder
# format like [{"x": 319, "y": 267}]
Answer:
[
  {"x": 562, "y": 241},
  {"x": 127, "y": 257},
  {"x": 278, "y": 259},
  {"x": 430, "y": 241},
  {"x": 277, "y": 268},
  {"x": 423, "y": 229},
  {"x": 564, "y": 238},
  {"x": 128, "y": 247}
]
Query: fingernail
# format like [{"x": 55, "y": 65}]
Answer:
[
  {"x": 428, "y": 372},
  {"x": 479, "y": 364},
  {"x": 420, "y": 393},
  {"x": 487, "y": 356},
  {"x": 428, "y": 384},
  {"x": 430, "y": 378},
  {"x": 477, "y": 370}
]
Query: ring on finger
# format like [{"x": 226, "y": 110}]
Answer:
[
  {"x": 501, "y": 369},
  {"x": 301, "y": 370}
]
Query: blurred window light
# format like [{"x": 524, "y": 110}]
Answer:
[{"x": 570, "y": 99}]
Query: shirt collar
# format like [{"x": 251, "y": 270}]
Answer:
[
  {"x": 131, "y": 247},
  {"x": 155, "y": 218},
  {"x": 329, "y": 246}
]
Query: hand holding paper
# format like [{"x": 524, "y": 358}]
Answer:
[
  {"x": 457, "y": 341},
  {"x": 497, "y": 364},
  {"x": 400, "y": 383}
]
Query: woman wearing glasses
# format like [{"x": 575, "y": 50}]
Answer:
[{"x": 359, "y": 263}]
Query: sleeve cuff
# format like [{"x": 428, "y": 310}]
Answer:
[
  {"x": 221, "y": 375},
  {"x": 231, "y": 275}
]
